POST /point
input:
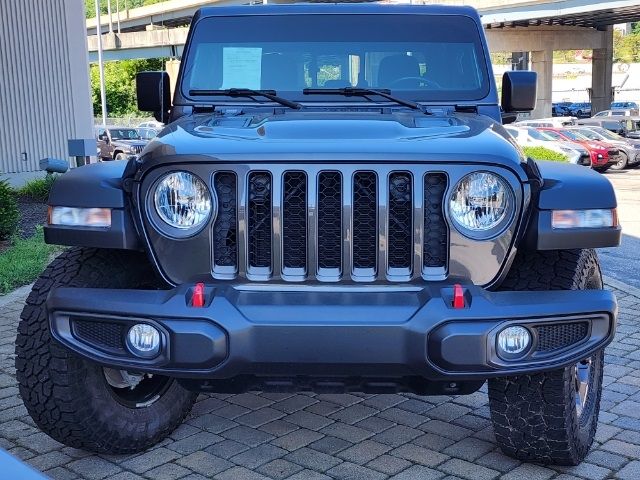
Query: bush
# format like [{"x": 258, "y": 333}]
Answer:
[
  {"x": 8, "y": 210},
  {"x": 542, "y": 153},
  {"x": 39, "y": 188}
]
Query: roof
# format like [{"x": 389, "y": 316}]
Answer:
[{"x": 336, "y": 8}]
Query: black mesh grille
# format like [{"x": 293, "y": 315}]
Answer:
[
  {"x": 435, "y": 228},
  {"x": 553, "y": 337},
  {"x": 329, "y": 220},
  {"x": 100, "y": 334},
  {"x": 225, "y": 243},
  {"x": 259, "y": 221},
  {"x": 365, "y": 211},
  {"x": 400, "y": 224},
  {"x": 294, "y": 222}
]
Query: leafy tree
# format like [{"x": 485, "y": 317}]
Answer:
[
  {"x": 119, "y": 79},
  {"x": 90, "y": 5}
]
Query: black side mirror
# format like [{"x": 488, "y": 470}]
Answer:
[
  {"x": 153, "y": 90},
  {"x": 519, "y": 91}
]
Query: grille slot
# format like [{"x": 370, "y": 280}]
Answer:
[
  {"x": 225, "y": 230},
  {"x": 365, "y": 225},
  {"x": 259, "y": 219},
  {"x": 104, "y": 335},
  {"x": 436, "y": 234},
  {"x": 294, "y": 220},
  {"x": 400, "y": 234},
  {"x": 554, "y": 337},
  {"x": 330, "y": 220}
]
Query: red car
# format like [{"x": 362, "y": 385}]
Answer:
[{"x": 602, "y": 154}]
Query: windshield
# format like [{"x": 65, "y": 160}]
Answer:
[
  {"x": 590, "y": 134},
  {"x": 420, "y": 57},
  {"x": 574, "y": 135},
  {"x": 607, "y": 134},
  {"x": 123, "y": 134},
  {"x": 538, "y": 135}
]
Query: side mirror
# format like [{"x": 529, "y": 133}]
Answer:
[
  {"x": 519, "y": 91},
  {"x": 153, "y": 90}
]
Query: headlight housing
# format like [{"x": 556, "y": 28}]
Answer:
[
  {"x": 183, "y": 202},
  {"x": 481, "y": 205}
]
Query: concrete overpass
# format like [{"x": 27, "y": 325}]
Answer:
[{"x": 536, "y": 26}]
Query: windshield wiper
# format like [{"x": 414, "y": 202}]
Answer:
[
  {"x": 248, "y": 92},
  {"x": 361, "y": 92}
]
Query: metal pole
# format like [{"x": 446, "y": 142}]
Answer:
[
  {"x": 118, "y": 13},
  {"x": 110, "y": 16},
  {"x": 103, "y": 94}
]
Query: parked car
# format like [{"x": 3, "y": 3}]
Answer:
[
  {"x": 118, "y": 143},
  {"x": 628, "y": 127},
  {"x": 624, "y": 106},
  {"x": 325, "y": 239},
  {"x": 579, "y": 109},
  {"x": 559, "y": 109},
  {"x": 147, "y": 133},
  {"x": 554, "y": 122},
  {"x": 602, "y": 155},
  {"x": 151, "y": 124},
  {"x": 531, "y": 137},
  {"x": 616, "y": 113},
  {"x": 629, "y": 148}
]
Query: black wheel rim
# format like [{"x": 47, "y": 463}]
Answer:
[{"x": 146, "y": 392}]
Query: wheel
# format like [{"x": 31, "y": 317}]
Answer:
[
  {"x": 602, "y": 169},
  {"x": 622, "y": 163},
  {"x": 550, "y": 417},
  {"x": 120, "y": 156},
  {"x": 78, "y": 402}
]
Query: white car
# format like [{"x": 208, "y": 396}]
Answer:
[
  {"x": 151, "y": 124},
  {"x": 553, "y": 122},
  {"x": 531, "y": 137}
]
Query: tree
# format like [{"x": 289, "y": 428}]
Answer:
[
  {"x": 90, "y": 5},
  {"x": 119, "y": 79}
]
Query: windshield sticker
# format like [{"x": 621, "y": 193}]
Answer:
[{"x": 241, "y": 67}]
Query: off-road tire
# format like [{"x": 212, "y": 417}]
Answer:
[
  {"x": 120, "y": 156},
  {"x": 535, "y": 416},
  {"x": 68, "y": 396}
]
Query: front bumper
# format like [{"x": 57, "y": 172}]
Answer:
[{"x": 278, "y": 333}]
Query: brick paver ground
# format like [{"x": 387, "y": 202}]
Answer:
[{"x": 313, "y": 437}]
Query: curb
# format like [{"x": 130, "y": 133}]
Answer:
[
  {"x": 18, "y": 294},
  {"x": 625, "y": 287}
]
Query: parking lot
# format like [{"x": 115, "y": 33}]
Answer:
[{"x": 308, "y": 437}]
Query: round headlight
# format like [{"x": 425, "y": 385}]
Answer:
[
  {"x": 481, "y": 205},
  {"x": 182, "y": 200}
]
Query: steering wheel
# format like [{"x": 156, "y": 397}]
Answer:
[{"x": 430, "y": 83}]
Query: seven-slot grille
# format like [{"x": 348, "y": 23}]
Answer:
[{"x": 330, "y": 225}]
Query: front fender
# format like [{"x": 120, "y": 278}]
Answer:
[
  {"x": 570, "y": 187},
  {"x": 95, "y": 185}
]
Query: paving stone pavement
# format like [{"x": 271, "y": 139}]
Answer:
[{"x": 314, "y": 437}]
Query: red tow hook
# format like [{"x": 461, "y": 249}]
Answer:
[
  {"x": 458, "y": 296},
  {"x": 197, "y": 300}
]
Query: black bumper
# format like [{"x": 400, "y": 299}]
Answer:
[{"x": 290, "y": 334}]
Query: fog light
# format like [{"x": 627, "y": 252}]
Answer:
[
  {"x": 513, "y": 342},
  {"x": 144, "y": 340}
]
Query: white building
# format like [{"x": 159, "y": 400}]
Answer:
[{"x": 44, "y": 83}]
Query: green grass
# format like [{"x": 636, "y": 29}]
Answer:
[{"x": 21, "y": 263}]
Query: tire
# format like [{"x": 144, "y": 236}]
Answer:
[
  {"x": 536, "y": 418},
  {"x": 602, "y": 169},
  {"x": 622, "y": 163},
  {"x": 69, "y": 397},
  {"x": 120, "y": 156}
]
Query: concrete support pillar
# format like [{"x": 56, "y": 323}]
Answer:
[
  {"x": 542, "y": 63},
  {"x": 602, "y": 71}
]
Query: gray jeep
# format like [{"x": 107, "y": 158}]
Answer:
[{"x": 333, "y": 206}]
